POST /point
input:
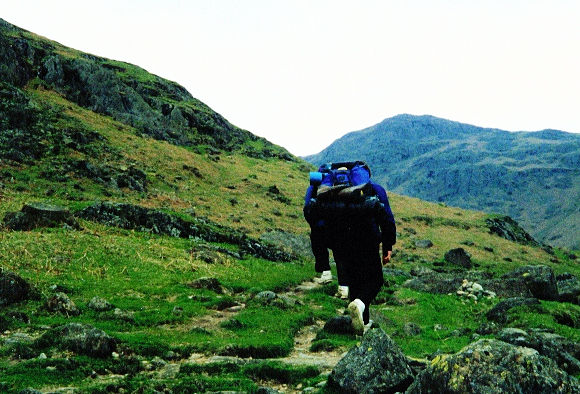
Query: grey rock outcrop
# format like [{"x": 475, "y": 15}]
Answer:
[
  {"x": 34, "y": 215},
  {"x": 562, "y": 350},
  {"x": 13, "y": 288},
  {"x": 377, "y": 365},
  {"x": 509, "y": 229},
  {"x": 79, "y": 338},
  {"x": 139, "y": 218},
  {"x": 568, "y": 288},
  {"x": 492, "y": 366},
  {"x": 539, "y": 279}
]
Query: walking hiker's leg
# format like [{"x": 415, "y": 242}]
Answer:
[{"x": 319, "y": 249}]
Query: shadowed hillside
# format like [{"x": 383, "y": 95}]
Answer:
[
  {"x": 531, "y": 176},
  {"x": 140, "y": 252}
]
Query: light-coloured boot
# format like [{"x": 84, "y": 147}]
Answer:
[
  {"x": 342, "y": 292},
  {"x": 325, "y": 278},
  {"x": 368, "y": 326},
  {"x": 355, "y": 310}
]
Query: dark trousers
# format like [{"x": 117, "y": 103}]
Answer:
[
  {"x": 362, "y": 272},
  {"x": 319, "y": 249},
  {"x": 319, "y": 245}
]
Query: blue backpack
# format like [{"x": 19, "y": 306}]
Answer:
[
  {"x": 352, "y": 173},
  {"x": 343, "y": 189}
]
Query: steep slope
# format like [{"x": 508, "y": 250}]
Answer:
[
  {"x": 531, "y": 176},
  {"x": 156, "y": 107}
]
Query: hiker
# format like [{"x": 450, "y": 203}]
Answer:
[
  {"x": 353, "y": 229},
  {"x": 320, "y": 245}
]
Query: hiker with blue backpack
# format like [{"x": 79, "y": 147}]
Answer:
[{"x": 350, "y": 214}]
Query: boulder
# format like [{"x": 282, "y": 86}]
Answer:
[
  {"x": 339, "y": 325},
  {"x": 568, "y": 288},
  {"x": 563, "y": 351},
  {"x": 39, "y": 214},
  {"x": 423, "y": 243},
  {"x": 411, "y": 329},
  {"x": 492, "y": 366},
  {"x": 377, "y": 365},
  {"x": 100, "y": 305},
  {"x": 61, "y": 303},
  {"x": 271, "y": 298},
  {"x": 539, "y": 279},
  {"x": 499, "y": 312},
  {"x": 458, "y": 257},
  {"x": 81, "y": 339},
  {"x": 13, "y": 288}
]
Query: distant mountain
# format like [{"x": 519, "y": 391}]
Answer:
[{"x": 531, "y": 176}]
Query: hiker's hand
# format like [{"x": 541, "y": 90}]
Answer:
[{"x": 387, "y": 257}]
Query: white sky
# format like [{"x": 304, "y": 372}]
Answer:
[{"x": 302, "y": 73}]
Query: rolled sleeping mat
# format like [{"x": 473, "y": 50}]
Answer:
[{"x": 316, "y": 178}]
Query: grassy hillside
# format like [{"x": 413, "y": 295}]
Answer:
[
  {"x": 168, "y": 327},
  {"x": 532, "y": 176}
]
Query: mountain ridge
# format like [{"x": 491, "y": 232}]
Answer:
[{"x": 531, "y": 176}]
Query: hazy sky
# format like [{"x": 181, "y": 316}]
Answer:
[{"x": 302, "y": 73}]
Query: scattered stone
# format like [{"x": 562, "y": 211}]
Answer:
[
  {"x": 411, "y": 329},
  {"x": 487, "y": 328},
  {"x": 473, "y": 291},
  {"x": 265, "y": 297},
  {"x": 421, "y": 271},
  {"x": 458, "y": 257},
  {"x": 488, "y": 249},
  {"x": 39, "y": 214},
  {"x": 61, "y": 303},
  {"x": 388, "y": 271},
  {"x": 491, "y": 366},
  {"x": 100, "y": 304},
  {"x": 124, "y": 315},
  {"x": 79, "y": 338},
  {"x": 410, "y": 230},
  {"x": 376, "y": 365},
  {"x": 212, "y": 284},
  {"x": 13, "y": 288},
  {"x": 271, "y": 298},
  {"x": 434, "y": 283},
  {"x": 499, "y": 312},
  {"x": 423, "y": 243}
]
